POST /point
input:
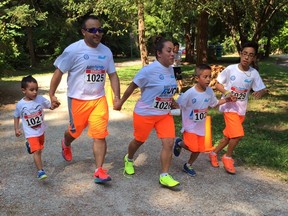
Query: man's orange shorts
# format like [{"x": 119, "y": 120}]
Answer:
[
  {"x": 143, "y": 125},
  {"x": 92, "y": 113},
  {"x": 194, "y": 142},
  {"x": 234, "y": 125},
  {"x": 36, "y": 143}
]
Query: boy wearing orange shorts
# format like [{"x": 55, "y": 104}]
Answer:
[
  {"x": 237, "y": 80},
  {"x": 30, "y": 110},
  {"x": 194, "y": 104}
]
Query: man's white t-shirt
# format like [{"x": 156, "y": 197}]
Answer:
[
  {"x": 194, "y": 106},
  {"x": 158, "y": 85},
  {"x": 239, "y": 83},
  {"x": 32, "y": 115},
  {"x": 87, "y": 68}
]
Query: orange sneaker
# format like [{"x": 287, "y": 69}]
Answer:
[
  {"x": 213, "y": 159},
  {"x": 101, "y": 176},
  {"x": 228, "y": 164},
  {"x": 66, "y": 151}
]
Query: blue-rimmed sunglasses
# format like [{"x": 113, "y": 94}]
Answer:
[{"x": 94, "y": 30}]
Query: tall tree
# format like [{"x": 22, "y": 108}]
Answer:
[{"x": 141, "y": 33}]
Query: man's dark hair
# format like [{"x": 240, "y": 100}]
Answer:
[
  {"x": 26, "y": 80},
  {"x": 250, "y": 44},
  {"x": 94, "y": 17}
]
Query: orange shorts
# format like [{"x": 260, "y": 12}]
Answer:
[
  {"x": 92, "y": 113},
  {"x": 194, "y": 142},
  {"x": 234, "y": 127},
  {"x": 143, "y": 125},
  {"x": 36, "y": 143}
]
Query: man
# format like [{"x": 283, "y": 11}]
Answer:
[{"x": 87, "y": 61}]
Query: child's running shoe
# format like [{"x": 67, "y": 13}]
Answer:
[
  {"x": 101, "y": 176},
  {"x": 189, "y": 170},
  {"x": 128, "y": 166},
  {"x": 28, "y": 147},
  {"x": 66, "y": 151},
  {"x": 213, "y": 159},
  {"x": 177, "y": 148},
  {"x": 41, "y": 175},
  {"x": 228, "y": 164},
  {"x": 168, "y": 181}
]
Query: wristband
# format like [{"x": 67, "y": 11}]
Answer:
[{"x": 226, "y": 93}]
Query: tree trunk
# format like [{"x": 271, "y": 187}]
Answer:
[
  {"x": 267, "y": 48},
  {"x": 141, "y": 33},
  {"x": 30, "y": 46},
  {"x": 189, "y": 42},
  {"x": 202, "y": 38}
]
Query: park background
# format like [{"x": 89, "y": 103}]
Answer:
[{"x": 34, "y": 33}]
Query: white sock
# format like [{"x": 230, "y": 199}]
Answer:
[{"x": 164, "y": 174}]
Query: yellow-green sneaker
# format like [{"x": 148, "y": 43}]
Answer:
[
  {"x": 128, "y": 166},
  {"x": 168, "y": 181}
]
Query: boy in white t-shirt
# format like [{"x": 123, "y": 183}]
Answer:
[
  {"x": 238, "y": 80},
  {"x": 194, "y": 104},
  {"x": 30, "y": 110}
]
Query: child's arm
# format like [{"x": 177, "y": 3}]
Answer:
[{"x": 16, "y": 127}]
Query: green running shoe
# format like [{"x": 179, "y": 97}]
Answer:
[
  {"x": 128, "y": 166},
  {"x": 168, "y": 181}
]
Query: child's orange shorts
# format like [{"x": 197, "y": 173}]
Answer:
[
  {"x": 234, "y": 127},
  {"x": 143, "y": 125},
  {"x": 36, "y": 143},
  {"x": 194, "y": 142},
  {"x": 92, "y": 113}
]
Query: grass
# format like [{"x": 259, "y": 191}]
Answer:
[{"x": 265, "y": 144}]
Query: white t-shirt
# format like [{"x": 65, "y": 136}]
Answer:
[
  {"x": 239, "y": 83},
  {"x": 158, "y": 85},
  {"x": 32, "y": 115},
  {"x": 177, "y": 56},
  {"x": 194, "y": 106},
  {"x": 87, "y": 68}
]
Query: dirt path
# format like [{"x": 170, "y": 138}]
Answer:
[{"x": 70, "y": 190}]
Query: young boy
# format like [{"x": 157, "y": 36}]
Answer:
[
  {"x": 237, "y": 80},
  {"x": 194, "y": 104},
  {"x": 30, "y": 110},
  {"x": 177, "y": 66}
]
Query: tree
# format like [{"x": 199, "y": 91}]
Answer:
[{"x": 245, "y": 19}]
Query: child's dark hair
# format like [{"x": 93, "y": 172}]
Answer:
[
  {"x": 159, "y": 44},
  {"x": 26, "y": 80},
  {"x": 176, "y": 44},
  {"x": 200, "y": 68},
  {"x": 250, "y": 44}
]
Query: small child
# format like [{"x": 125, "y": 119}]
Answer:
[
  {"x": 237, "y": 80},
  {"x": 194, "y": 104},
  {"x": 30, "y": 110}
]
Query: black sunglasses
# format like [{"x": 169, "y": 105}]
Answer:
[{"x": 94, "y": 30}]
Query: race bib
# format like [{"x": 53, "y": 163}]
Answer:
[
  {"x": 34, "y": 119},
  {"x": 240, "y": 94},
  {"x": 162, "y": 103},
  {"x": 94, "y": 76},
  {"x": 198, "y": 114}
]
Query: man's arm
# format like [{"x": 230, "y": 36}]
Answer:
[{"x": 55, "y": 81}]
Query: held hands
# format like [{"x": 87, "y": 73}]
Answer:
[
  {"x": 54, "y": 102},
  {"x": 117, "y": 104},
  {"x": 18, "y": 132},
  {"x": 229, "y": 97}
]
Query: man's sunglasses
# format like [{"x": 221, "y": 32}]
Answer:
[{"x": 94, "y": 30}]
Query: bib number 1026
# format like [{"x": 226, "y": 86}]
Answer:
[{"x": 163, "y": 105}]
